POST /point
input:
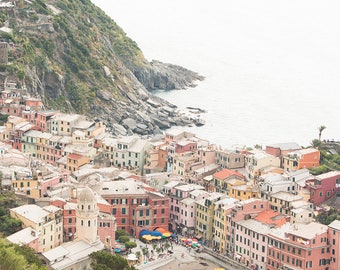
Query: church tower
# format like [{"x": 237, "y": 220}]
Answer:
[{"x": 87, "y": 216}]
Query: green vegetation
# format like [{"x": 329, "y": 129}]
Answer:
[
  {"x": 14, "y": 257},
  {"x": 327, "y": 217},
  {"x": 8, "y": 225},
  {"x": 3, "y": 118},
  {"x": 74, "y": 45},
  {"x": 102, "y": 260}
]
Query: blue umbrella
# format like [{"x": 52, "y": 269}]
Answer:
[
  {"x": 156, "y": 233},
  {"x": 144, "y": 232},
  {"x": 173, "y": 235}
]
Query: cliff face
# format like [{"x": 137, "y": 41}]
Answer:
[{"x": 77, "y": 59}]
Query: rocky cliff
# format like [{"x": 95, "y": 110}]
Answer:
[{"x": 77, "y": 59}]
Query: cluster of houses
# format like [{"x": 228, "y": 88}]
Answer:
[{"x": 82, "y": 184}]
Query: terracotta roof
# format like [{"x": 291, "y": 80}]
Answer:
[
  {"x": 74, "y": 156},
  {"x": 227, "y": 173},
  {"x": 271, "y": 217}
]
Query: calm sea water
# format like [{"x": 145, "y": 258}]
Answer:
[{"x": 272, "y": 68}]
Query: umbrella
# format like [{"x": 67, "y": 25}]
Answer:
[
  {"x": 156, "y": 233},
  {"x": 161, "y": 230},
  {"x": 147, "y": 237},
  {"x": 167, "y": 234},
  {"x": 173, "y": 235},
  {"x": 144, "y": 232}
]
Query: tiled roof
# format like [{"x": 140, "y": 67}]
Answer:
[
  {"x": 227, "y": 173},
  {"x": 74, "y": 156},
  {"x": 271, "y": 217}
]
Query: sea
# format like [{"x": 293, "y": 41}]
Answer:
[{"x": 271, "y": 68}]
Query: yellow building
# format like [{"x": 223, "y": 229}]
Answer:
[
  {"x": 28, "y": 186},
  {"x": 205, "y": 209},
  {"x": 47, "y": 221},
  {"x": 243, "y": 191},
  {"x": 220, "y": 234}
]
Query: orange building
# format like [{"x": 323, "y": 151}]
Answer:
[
  {"x": 221, "y": 179},
  {"x": 75, "y": 161},
  {"x": 304, "y": 158}
]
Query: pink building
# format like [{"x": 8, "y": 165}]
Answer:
[
  {"x": 334, "y": 241},
  {"x": 177, "y": 192},
  {"x": 185, "y": 146},
  {"x": 323, "y": 187},
  {"x": 252, "y": 238},
  {"x": 299, "y": 246},
  {"x": 42, "y": 120},
  {"x": 242, "y": 210}
]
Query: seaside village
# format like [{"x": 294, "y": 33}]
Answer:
[{"x": 80, "y": 184}]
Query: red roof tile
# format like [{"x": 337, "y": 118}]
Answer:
[
  {"x": 227, "y": 173},
  {"x": 74, "y": 156},
  {"x": 271, "y": 217}
]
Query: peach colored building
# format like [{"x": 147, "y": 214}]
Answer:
[
  {"x": 304, "y": 158},
  {"x": 74, "y": 161},
  {"x": 221, "y": 179}
]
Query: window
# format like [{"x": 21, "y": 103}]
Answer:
[
  {"x": 140, "y": 213},
  {"x": 123, "y": 211},
  {"x": 155, "y": 211},
  {"x": 70, "y": 220},
  {"x": 123, "y": 220},
  {"x": 114, "y": 211},
  {"x": 162, "y": 221},
  {"x": 163, "y": 211}
]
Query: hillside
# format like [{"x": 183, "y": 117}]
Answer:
[{"x": 77, "y": 59}]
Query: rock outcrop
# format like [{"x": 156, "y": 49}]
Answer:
[{"x": 78, "y": 60}]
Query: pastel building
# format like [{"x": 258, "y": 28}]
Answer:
[
  {"x": 205, "y": 209},
  {"x": 229, "y": 159},
  {"x": 182, "y": 211},
  {"x": 221, "y": 179},
  {"x": 252, "y": 238},
  {"x": 135, "y": 208},
  {"x": 304, "y": 158},
  {"x": 334, "y": 240},
  {"x": 323, "y": 186},
  {"x": 222, "y": 208},
  {"x": 299, "y": 246},
  {"x": 46, "y": 222},
  {"x": 256, "y": 160},
  {"x": 282, "y": 201},
  {"x": 242, "y": 210}
]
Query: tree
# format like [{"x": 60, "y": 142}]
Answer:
[
  {"x": 120, "y": 233},
  {"x": 102, "y": 260},
  {"x": 14, "y": 257},
  {"x": 316, "y": 143},
  {"x": 130, "y": 245},
  {"x": 321, "y": 128},
  {"x": 124, "y": 238}
]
